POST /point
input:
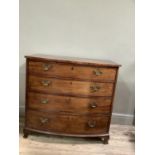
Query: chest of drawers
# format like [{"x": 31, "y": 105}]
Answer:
[{"x": 69, "y": 96}]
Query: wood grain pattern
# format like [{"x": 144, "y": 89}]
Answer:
[
  {"x": 76, "y": 105},
  {"x": 50, "y": 69},
  {"x": 73, "y": 60},
  {"x": 96, "y": 124},
  {"x": 121, "y": 143},
  {"x": 69, "y": 87},
  {"x": 69, "y": 96}
]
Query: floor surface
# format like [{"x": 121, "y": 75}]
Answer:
[{"x": 121, "y": 143}]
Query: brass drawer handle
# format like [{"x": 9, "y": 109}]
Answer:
[
  {"x": 97, "y": 72},
  {"x": 91, "y": 124},
  {"x": 43, "y": 120},
  {"x": 45, "y": 82},
  {"x": 93, "y": 105},
  {"x": 44, "y": 101},
  {"x": 94, "y": 88},
  {"x": 46, "y": 67}
]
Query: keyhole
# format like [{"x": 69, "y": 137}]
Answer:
[{"x": 72, "y": 68}]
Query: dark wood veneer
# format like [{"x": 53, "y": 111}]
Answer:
[
  {"x": 50, "y": 69},
  {"x": 69, "y": 96},
  {"x": 73, "y": 60},
  {"x": 55, "y": 103},
  {"x": 83, "y": 124},
  {"x": 66, "y": 87}
]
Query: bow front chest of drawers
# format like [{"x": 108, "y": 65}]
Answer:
[{"x": 69, "y": 96}]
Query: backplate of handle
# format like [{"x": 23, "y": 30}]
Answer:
[
  {"x": 97, "y": 72},
  {"x": 93, "y": 105},
  {"x": 46, "y": 66},
  {"x": 45, "y": 82},
  {"x": 91, "y": 124},
  {"x": 43, "y": 120},
  {"x": 94, "y": 88},
  {"x": 44, "y": 101}
]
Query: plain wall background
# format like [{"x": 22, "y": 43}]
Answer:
[{"x": 99, "y": 29}]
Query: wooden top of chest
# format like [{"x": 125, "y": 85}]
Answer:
[{"x": 73, "y": 60}]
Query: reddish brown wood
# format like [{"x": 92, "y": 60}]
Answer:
[
  {"x": 113, "y": 95},
  {"x": 59, "y": 86},
  {"x": 84, "y": 124},
  {"x": 26, "y": 97},
  {"x": 30, "y": 130},
  {"x": 55, "y": 103},
  {"x": 69, "y": 96},
  {"x": 50, "y": 69},
  {"x": 73, "y": 60}
]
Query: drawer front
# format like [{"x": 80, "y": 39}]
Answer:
[
  {"x": 72, "y": 71},
  {"x": 68, "y": 87},
  {"x": 56, "y": 103},
  {"x": 82, "y": 124}
]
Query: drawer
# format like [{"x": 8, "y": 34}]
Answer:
[
  {"x": 43, "y": 102},
  {"x": 50, "y": 69},
  {"x": 68, "y": 87},
  {"x": 83, "y": 124}
]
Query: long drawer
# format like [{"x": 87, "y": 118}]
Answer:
[
  {"x": 50, "y": 69},
  {"x": 44, "y": 102},
  {"x": 95, "y": 124},
  {"x": 68, "y": 87}
]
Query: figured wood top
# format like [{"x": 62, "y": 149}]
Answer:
[{"x": 75, "y": 60}]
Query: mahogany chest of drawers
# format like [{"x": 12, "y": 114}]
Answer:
[{"x": 69, "y": 96}]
